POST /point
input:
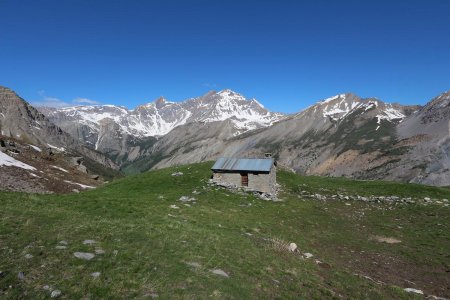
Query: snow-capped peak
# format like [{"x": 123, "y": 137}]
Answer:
[
  {"x": 229, "y": 95},
  {"x": 340, "y": 106},
  {"x": 333, "y": 98},
  {"x": 161, "y": 116}
]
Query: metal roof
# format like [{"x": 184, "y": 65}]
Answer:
[{"x": 243, "y": 164}]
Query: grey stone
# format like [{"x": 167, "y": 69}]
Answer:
[
  {"x": 55, "y": 294},
  {"x": 99, "y": 251},
  {"x": 411, "y": 290},
  {"x": 61, "y": 247},
  {"x": 89, "y": 242},
  {"x": 186, "y": 199},
  {"x": 84, "y": 255},
  {"x": 307, "y": 255},
  {"x": 194, "y": 264},
  {"x": 95, "y": 275},
  {"x": 28, "y": 256},
  {"x": 293, "y": 247},
  {"x": 63, "y": 242},
  {"x": 219, "y": 272},
  {"x": 21, "y": 276}
]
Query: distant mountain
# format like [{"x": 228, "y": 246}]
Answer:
[
  {"x": 23, "y": 129},
  {"x": 333, "y": 125},
  {"x": 122, "y": 133},
  {"x": 344, "y": 135}
]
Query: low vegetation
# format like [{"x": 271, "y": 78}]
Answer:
[{"x": 223, "y": 244}]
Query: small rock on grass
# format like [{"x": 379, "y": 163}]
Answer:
[
  {"x": 55, "y": 294},
  {"x": 63, "y": 243},
  {"x": 89, "y": 242},
  {"x": 411, "y": 290},
  {"x": 28, "y": 256},
  {"x": 99, "y": 251},
  {"x": 84, "y": 255},
  {"x": 219, "y": 272},
  {"x": 61, "y": 247},
  {"x": 174, "y": 206},
  {"x": 194, "y": 264},
  {"x": 95, "y": 275},
  {"x": 21, "y": 276},
  {"x": 186, "y": 199},
  {"x": 293, "y": 247},
  {"x": 307, "y": 255}
]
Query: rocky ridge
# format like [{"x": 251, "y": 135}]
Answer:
[{"x": 37, "y": 156}]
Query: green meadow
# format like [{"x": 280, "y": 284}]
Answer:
[{"x": 225, "y": 244}]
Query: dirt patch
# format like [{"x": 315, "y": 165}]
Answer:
[
  {"x": 386, "y": 269},
  {"x": 349, "y": 162}
]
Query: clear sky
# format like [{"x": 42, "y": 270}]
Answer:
[{"x": 286, "y": 54}]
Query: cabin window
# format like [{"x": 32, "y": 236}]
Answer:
[{"x": 244, "y": 179}]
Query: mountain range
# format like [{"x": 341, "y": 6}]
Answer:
[
  {"x": 123, "y": 133},
  {"x": 344, "y": 135}
]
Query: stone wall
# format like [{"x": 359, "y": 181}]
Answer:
[
  {"x": 261, "y": 182},
  {"x": 230, "y": 178}
]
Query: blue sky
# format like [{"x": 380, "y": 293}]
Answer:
[{"x": 287, "y": 54}]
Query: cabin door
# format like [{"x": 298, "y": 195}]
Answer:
[{"x": 244, "y": 179}]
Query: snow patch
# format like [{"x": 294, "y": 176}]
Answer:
[
  {"x": 61, "y": 149},
  {"x": 61, "y": 169},
  {"x": 35, "y": 148},
  {"x": 81, "y": 185},
  {"x": 332, "y": 98},
  {"x": 390, "y": 114},
  {"x": 6, "y": 160}
]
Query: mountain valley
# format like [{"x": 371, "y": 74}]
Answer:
[{"x": 344, "y": 135}]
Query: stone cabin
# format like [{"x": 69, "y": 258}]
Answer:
[{"x": 254, "y": 174}]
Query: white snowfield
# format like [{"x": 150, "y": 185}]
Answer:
[{"x": 6, "y": 160}]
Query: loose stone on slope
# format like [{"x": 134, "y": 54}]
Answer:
[
  {"x": 219, "y": 272},
  {"x": 89, "y": 242},
  {"x": 84, "y": 255}
]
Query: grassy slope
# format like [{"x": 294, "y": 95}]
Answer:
[{"x": 153, "y": 241}]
